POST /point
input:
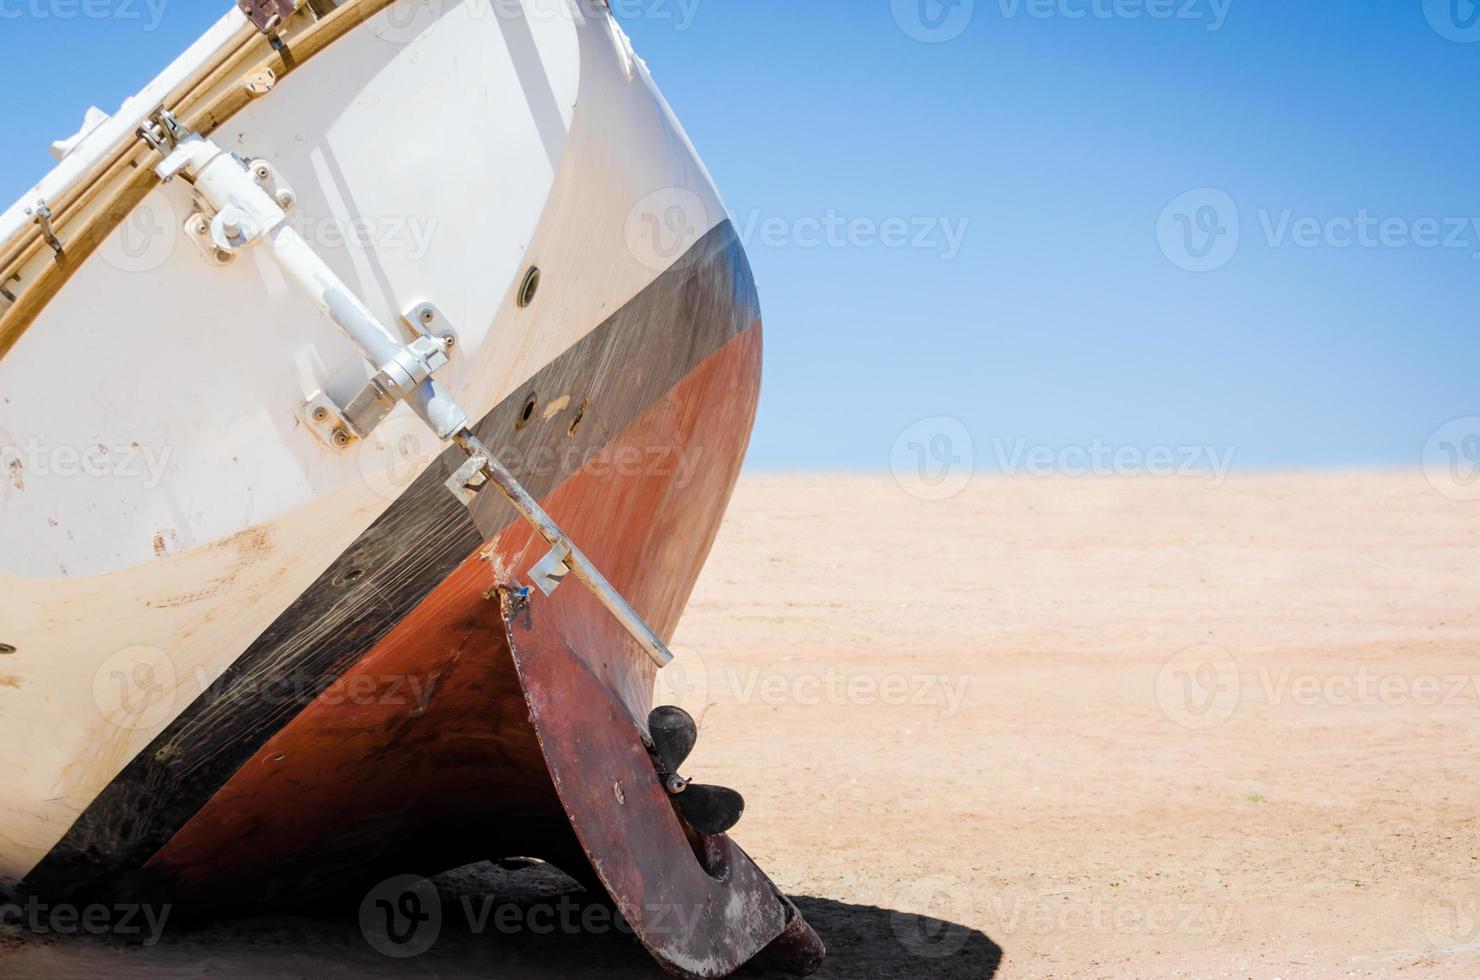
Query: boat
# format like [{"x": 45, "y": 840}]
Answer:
[{"x": 372, "y": 387}]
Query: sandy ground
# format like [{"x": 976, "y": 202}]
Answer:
[{"x": 1048, "y": 728}]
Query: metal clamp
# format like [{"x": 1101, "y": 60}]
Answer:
[
  {"x": 268, "y": 15},
  {"x": 408, "y": 370},
  {"x": 41, "y": 213}
]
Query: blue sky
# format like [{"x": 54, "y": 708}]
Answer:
[{"x": 1018, "y": 212}]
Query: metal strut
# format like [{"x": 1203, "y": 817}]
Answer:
[{"x": 238, "y": 212}]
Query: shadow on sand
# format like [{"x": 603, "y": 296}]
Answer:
[{"x": 528, "y": 924}]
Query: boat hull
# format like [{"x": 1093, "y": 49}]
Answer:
[{"x": 329, "y": 671}]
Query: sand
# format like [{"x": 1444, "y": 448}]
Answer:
[{"x": 1047, "y": 728}]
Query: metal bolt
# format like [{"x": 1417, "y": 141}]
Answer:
[
  {"x": 201, "y": 227},
  {"x": 262, "y": 171},
  {"x": 285, "y": 199},
  {"x": 232, "y": 229},
  {"x": 341, "y": 438},
  {"x": 450, "y": 340},
  {"x": 675, "y": 784},
  {"x": 223, "y": 257},
  {"x": 320, "y": 413},
  {"x": 427, "y": 316}
]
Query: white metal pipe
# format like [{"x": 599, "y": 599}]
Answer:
[{"x": 240, "y": 201}]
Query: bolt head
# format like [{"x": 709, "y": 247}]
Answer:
[
  {"x": 341, "y": 437},
  {"x": 320, "y": 413}
]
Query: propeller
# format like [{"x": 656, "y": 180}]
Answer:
[{"x": 707, "y": 809}]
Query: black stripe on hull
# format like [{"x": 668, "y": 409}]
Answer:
[{"x": 619, "y": 369}]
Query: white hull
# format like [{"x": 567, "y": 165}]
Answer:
[{"x": 233, "y": 507}]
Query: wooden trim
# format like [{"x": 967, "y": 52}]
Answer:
[{"x": 101, "y": 205}]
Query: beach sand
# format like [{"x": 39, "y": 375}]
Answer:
[{"x": 1047, "y": 728}]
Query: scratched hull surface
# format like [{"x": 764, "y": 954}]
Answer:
[{"x": 268, "y": 669}]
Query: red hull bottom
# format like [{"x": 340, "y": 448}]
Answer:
[{"x": 494, "y": 721}]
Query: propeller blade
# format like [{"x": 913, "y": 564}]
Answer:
[
  {"x": 710, "y": 809},
  {"x": 674, "y": 733}
]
